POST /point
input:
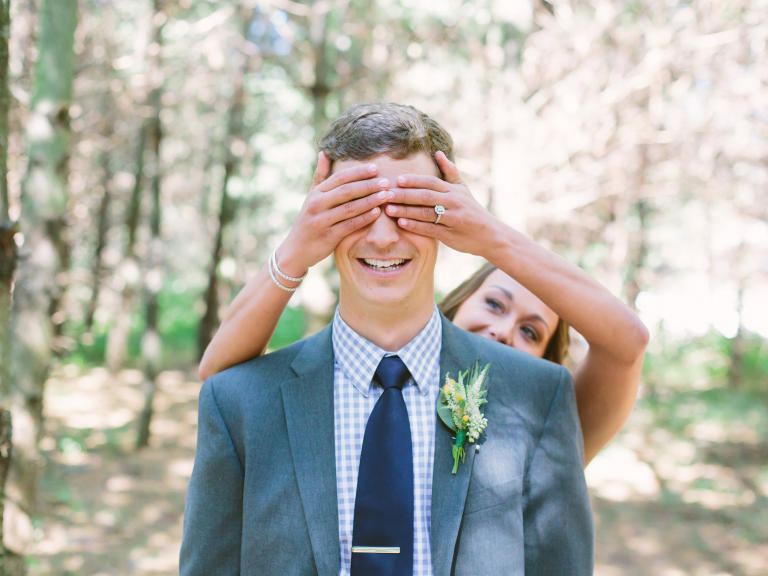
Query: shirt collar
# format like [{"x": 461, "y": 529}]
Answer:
[{"x": 359, "y": 358}]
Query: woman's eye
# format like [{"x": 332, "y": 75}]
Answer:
[
  {"x": 530, "y": 333},
  {"x": 494, "y": 304}
]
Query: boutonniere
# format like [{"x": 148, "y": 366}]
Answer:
[{"x": 459, "y": 408}]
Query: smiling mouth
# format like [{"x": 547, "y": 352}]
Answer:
[{"x": 384, "y": 265}]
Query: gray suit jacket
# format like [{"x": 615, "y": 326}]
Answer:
[{"x": 262, "y": 497}]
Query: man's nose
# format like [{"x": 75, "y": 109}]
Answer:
[{"x": 383, "y": 232}]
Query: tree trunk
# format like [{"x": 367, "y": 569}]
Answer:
[
  {"x": 106, "y": 133},
  {"x": 235, "y": 148},
  {"x": 5, "y": 30},
  {"x": 128, "y": 273},
  {"x": 6, "y": 452},
  {"x": 319, "y": 307},
  {"x": 101, "y": 239},
  {"x": 738, "y": 342},
  {"x": 210, "y": 317},
  {"x": 8, "y": 257},
  {"x": 318, "y": 32},
  {"x": 8, "y": 231},
  {"x": 39, "y": 286},
  {"x": 636, "y": 264},
  {"x": 151, "y": 346},
  {"x": 208, "y": 168}
]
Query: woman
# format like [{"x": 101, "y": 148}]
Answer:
[{"x": 524, "y": 297}]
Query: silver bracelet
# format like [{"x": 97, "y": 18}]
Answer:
[
  {"x": 273, "y": 259},
  {"x": 275, "y": 281}
]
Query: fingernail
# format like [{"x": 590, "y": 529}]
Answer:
[
  {"x": 383, "y": 195},
  {"x": 401, "y": 179},
  {"x": 371, "y": 167},
  {"x": 390, "y": 194},
  {"x": 382, "y": 183}
]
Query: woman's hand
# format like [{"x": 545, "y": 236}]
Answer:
[
  {"x": 336, "y": 206},
  {"x": 465, "y": 226}
]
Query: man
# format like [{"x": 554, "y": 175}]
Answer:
[{"x": 326, "y": 457}]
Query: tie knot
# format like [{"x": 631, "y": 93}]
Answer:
[{"x": 391, "y": 372}]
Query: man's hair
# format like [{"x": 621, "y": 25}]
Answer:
[{"x": 367, "y": 130}]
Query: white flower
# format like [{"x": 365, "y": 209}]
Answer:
[{"x": 459, "y": 408}]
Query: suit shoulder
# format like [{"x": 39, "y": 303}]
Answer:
[
  {"x": 260, "y": 376},
  {"x": 521, "y": 379},
  {"x": 519, "y": 363}
]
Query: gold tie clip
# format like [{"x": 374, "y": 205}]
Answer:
[{"x": 375, "y": 549}]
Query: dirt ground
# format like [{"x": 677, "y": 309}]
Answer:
[{"x": 109, "y": 510}]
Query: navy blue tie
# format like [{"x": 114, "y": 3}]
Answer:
[{"x": 382, "y": 534}]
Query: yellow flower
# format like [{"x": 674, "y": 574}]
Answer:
[
  {"x": 446, "y": 388},
  {"x": 466, "y": 418},
  {"x": 459, "y": 397}
]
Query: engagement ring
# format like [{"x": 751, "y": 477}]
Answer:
[{"x": 439, "y": 210}]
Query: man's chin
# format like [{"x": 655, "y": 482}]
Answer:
[
  {"x": 386, "y": 295},
  {"x": 392, "y": 300},
  {"x": 387, "y": 299}
]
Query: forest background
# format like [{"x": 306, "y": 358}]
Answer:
[{"x": 154, "y": 152}]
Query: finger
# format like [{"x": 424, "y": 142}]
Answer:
[
  {"x": 322, "y": 170},
  {"x": 346, "y": 227},
  {"x": 361, "y": 172},
  {"x": 423, "y": 181},
  {"x": 354, "y": 190},
  {"x": 357, "y": 207},
  {"x": 420, "y": 213},
  {"x": 448, "y": 168},
  {"x": 419, "y": 196},
  {"x": 421, "y": 228}
]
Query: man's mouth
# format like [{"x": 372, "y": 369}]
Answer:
[{"x": 384, "y": 265}]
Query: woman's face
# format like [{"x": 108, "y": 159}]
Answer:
[{"x": 503, "y": 310}]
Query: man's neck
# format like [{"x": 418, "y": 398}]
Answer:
[{"x": 387, "y": 327}]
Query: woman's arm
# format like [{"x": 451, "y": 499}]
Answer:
[
  {"x": 336, "y": 205},
  {"x": 606, "y": 379},
  {"x": 247, "y": 326}
]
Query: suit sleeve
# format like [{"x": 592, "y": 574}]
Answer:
[
  {"x": 213, "y": 512},
  {"x": 557, "y": 515}
]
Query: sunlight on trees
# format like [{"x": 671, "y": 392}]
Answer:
[{"x": 157, "y": 151}]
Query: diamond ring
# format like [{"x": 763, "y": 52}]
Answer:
[{"x": 439, "y": 210}]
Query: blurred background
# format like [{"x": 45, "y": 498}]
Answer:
[{"x": 154, "y": 152}]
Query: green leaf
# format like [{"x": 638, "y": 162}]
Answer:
[{"x": 445, "y": 415}]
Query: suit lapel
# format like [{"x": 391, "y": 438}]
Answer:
[
  {"x": 449, "y": 492},
  {"x": 309, "y": 415}
]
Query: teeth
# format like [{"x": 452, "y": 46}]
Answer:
[{"x": 383, "y": 264}]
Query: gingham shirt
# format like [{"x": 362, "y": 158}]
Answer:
[{"x": 355, "y": 362}]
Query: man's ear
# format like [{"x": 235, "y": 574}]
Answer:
[
  {"x": 323, "y": 168},
  {"x": 331, "y": 164}
]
